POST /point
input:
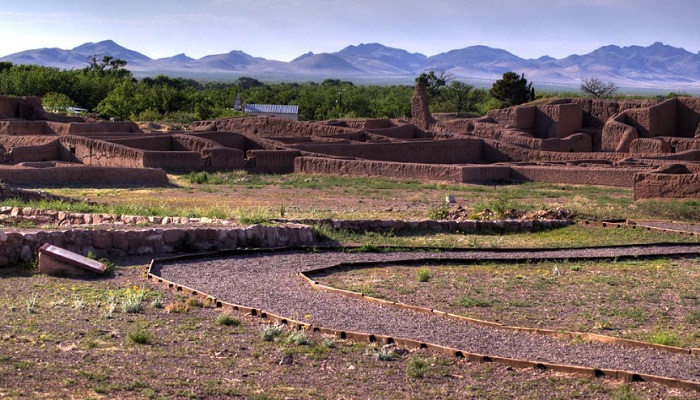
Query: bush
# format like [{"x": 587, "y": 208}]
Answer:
[
  {"x": 298, "y": 337},
  {"x": 139, "y": 335},
  {"x": 227, "y": 319},
  {"x": 439, "y": 212},
  {"x": 417, "y": 367},
  {"x": 199, "y": 178},
  {"x": 423, "y": 274},
  {"x": 270, "y": 332}
]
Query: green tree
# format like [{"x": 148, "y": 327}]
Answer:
[
  {"x": 120, "y": 102},
  {"x": 433, "y": 82},
  {"x": 512, "y": 90},
  {"x": 53, "y": 101}
]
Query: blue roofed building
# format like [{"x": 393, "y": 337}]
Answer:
[{"x": 272, "y": 110}]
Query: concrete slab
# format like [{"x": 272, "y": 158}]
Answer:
[{"x": 54, "y": 260}]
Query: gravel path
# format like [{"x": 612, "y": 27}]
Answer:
[
  {"x": 676, "y": 226},
  {"x": 269, "y": 281}
]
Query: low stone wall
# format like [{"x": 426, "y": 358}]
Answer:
[
  {"x": 16, "y": 247},
  {"x": 654, "y": 185},
  {"x": 467, "y": 227}
]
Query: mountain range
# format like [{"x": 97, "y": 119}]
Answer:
[{"x": 656, "y": 66}]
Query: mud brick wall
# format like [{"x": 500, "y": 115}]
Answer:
[
  {"x": 558, "y": 121},
  {"x": 271, "y": 161},
  {"x": 319, "y": 165},
  {"x": 688, "y": 117},
  {"x": 496, "y": 151},
  {"x": 42, "y": 152},
  {"x": 452, "y": 151},
  {"x": 83, "y": 128},
  {"x": 221, "y": 158},
  {"x": 522, "y": 118},
  {"x": 663, "y": 119},
  {"x": 682, "y": 144},
  {"x": 269, "y": 126},
  {"x": 100, "y": 153},
  {"x": 83, "y": 175},
  {"x": 18, "y": 247},
  {"x": 149, "y": 143},
  {"x": 407, "y": 131},
  {"x": 596, "y": 112},
  {"x": 619, "y": 177},
  {"x": 578, "y": 142},
  {"x": 28, "y": 108},
  {"x": 23, "y": 128},
  {"x": 653, "y": 185},
  {"x": 486, "y": 173},
  {"x": 650, "y": 146},
  {"x": 173, "y": 160},
  {"x": 618, "y": 135},
  {"x": 227, "y": 139}
]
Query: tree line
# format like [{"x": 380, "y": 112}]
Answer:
[{"x": 106, "y": 88}]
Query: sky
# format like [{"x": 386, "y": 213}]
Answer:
[{"x": 285, "y": 29}]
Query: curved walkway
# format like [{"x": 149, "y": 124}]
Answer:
[{"x": 269, "y": 281}]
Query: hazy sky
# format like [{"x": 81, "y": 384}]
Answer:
[{"x": 285, "y": 29}]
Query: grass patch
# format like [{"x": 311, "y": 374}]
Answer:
[
  {"x": 417, "y": 367},
  {"x": 139, "y": 336},
  {"x": 423, "y": 274},
  {"x": 226, "y": 319}
]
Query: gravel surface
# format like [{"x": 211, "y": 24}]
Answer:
[
  {"x": 269, "y": 281},
  {"x": 676, "y": 226}
]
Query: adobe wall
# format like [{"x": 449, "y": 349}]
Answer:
[
  {"x": 663, "y": 119},
  {"x": 149, "y": 143},
  {"x": 498, "y": 151},
  {"x": 41, "y": 152},
  {"x": 28, "y": 108},
  {"x": 521, "y": 117},
  {"x": 100, "y": 153},
  {"x": 618, "y": 135},
  {"x": 650, "y": 146},
  {"x": 557, "y": 121},
  {"x": 271, "y": 161},
  {"x": 269, "y": 126},
  {"x": 596, "y": 112},
  {"x": 420, "y": 107},
  {"x": 406, "y": 131},
  {"x": 577, "y": 142},
  {"x": 610, "y": 176},
  {"x": 174, "y": 160},
  {"x": 221, "y": 158},
  {"x": 451, "y": 151},
  {"x": 226, "y": 139},
  {"x": 20, "y": 127},
  {"x": 86, "y": 128},
  {"x": 684, "y": 144},
  {"x": 82, "y": 175},
  {"x": 319, "y": 165},
  {"x": 688, "y": 117},
  {"x": 480, "y": 174},
  {"x": 649, "y": 185}
]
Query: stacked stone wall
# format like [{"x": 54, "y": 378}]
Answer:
[{"x": 16, "y": 247}]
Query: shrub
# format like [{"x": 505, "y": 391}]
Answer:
[
  {"x": 227, "y": 319},
  {"x": 133, "y": 300},
  {"x": 270, "y": 332},
  {"x": 298, "y": 337},
  {"x": 417, "y": 367},
  {"x": 199, "y": 178},
  {"x": 139, "y": 335},
  {"x": 423, "y": 274},
  {"x": 439, "y": 212},
  {"x": 386, "y": 354},
  {"x": 664, "y": 337}
]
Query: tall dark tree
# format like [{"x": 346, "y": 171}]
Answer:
[
  {"x": 512, "y": 89},
  {"x": 434, "y": 83}
]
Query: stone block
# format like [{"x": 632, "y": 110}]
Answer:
[{"x": 57, "y": 261}]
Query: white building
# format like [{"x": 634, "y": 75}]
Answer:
[{"x": 272, "y": 110}]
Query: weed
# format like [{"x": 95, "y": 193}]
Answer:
[
  {"x": 386, "y": 354},
  {"x": 664, "y": 337},
  {"x": 270, "y": 332},
  {"x": 133, "y": 300},
  {"x": 328, "y": 343},
  {"x": 439, "y": 212},
  {"x": 423, "y": 274},
  {"x": 157, "y": 302},
  {"x": 78, "y": 303},
  {"x": 254, "y": 216},
  {"x": 693, "y": 317},
  {"x": 176, "y": 308},
  {"x": 623, "y": 392},
  {"x": 31, "y": 305},
  {"x": 468, "y": 301},
  {"x": 139, "y": 335},
  {"x": 227, "y": 319},
  {"x": 198, "y": 178},
  {"x": 417, "y": 367},
  {"x": 298, "y": 337}
]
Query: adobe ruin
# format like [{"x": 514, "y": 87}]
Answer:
[{"x": 573, "y": 141}]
